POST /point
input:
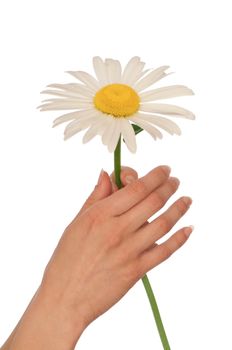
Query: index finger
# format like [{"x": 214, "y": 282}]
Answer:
[
  {"x": 124, "y": 199},
  {"x": 124, "y": 174}
]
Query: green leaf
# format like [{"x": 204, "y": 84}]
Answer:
[{"x": 136, "y": 128}]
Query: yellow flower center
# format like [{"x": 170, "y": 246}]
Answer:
[{"x": 118, "y": 100}]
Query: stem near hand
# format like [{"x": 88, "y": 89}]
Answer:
[{"x": 145, "y": 280}]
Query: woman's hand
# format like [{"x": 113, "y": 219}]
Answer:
[
  {"x": 32, "y": 320},
  {"x": 106, "y": 249}
]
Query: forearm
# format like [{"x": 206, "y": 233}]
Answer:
[
  {"x": 46, "y": 325},
  {"x": 8, "y": 342}
]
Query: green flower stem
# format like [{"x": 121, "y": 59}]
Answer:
[
  {"x": 117, "y": 164},
  {"x": 145, "y": 280},
  {"x": 156, "y": 313}
]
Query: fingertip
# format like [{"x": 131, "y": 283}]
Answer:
[
  {"x": 166, "y": 169},
  {"x": 188, "y": 230},
  {"x": 128, "y": 179},
  {"x": 128, "y": 175}
]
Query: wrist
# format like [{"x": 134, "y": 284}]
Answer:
[
  {"x": 68, "y": 322},
  {"x": 48, "y": 323}
]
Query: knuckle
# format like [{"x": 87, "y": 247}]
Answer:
[
  {"x": 157, "y": 199},
  {"x": 136, "y": 272},
  {"x": 163, "y": 224},
  {"x": 133, "y": 272},
  {"x": 123, "y": 224},
  {"x": 114, "y": 233},
  {"x": 154, "y": 202},
  {"x": 179, "y": 240},
  {"x": 97, "y": 212},
  {"x": 166, "y": 252},
  {"x": 113, "y": 240},
  {"x": 137, "y": 186},
  {"x": 181, "y": 206}
]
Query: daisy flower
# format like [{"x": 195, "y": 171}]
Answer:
[{"x": 106, "y": 105}]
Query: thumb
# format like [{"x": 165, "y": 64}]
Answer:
[{"x": 102, "y": 190}]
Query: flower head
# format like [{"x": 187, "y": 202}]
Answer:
[{"x": 106, "y": 105}]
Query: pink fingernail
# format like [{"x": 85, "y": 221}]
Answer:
[
  {"x": 100, "y": 176},
  {"x": 188, "y": 230},
  {"x": 187, "y": 200},
  {"x": 166, "y": 169},
  {"x": 129, "y": 179}
]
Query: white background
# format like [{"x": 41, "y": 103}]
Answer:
[{"x": 44, "y": 180}]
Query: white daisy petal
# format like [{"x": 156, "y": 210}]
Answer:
[
  {"x": 117, "y": 71},
  {"x": 136, "y": 74},
  {"x": 77, "y": 115},
  {"x": 66, "y": 94},
  {"x": 87, "y": 79},
  {"x": 106, "y": 136},
  {"x": 73, "y": 87},
  {"x": 95, "y": 129},
  {"x": 114, "y": 70},
  {"x": 151, "y": 78},
  {"x": 103, "y": 127},
  {"x": 74, "y": 131},
  {"x": 131, "y": 68},
  {"x": 165, "y": 92},
  {"x": 163, "y": 123},
  {"x": 115, "y": 136},
  {"x": 65, "y": 105},
  {"x": 100, "y": 71},
  {"x": 128, "y": 134},
  {"x": 110, "y": 68},
  {"x": 164, "y": 108},
  {"x": 76, "y": 126},
  {"x": 142, "y": 73},
  {"x": 76, "y": 99},
  {"x": 153, "y": 131}
]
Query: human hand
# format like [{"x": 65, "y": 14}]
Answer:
[
  {"x": 35, "y": 330},
  {"x": 109, "y": 246}
]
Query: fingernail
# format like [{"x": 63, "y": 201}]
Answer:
[
  {"x": 187, "y": 200},
  {"x": 166, "y": 169},
  {"x": 175, "y": 180},
  {"x": 100, "y": 176},
  {"x": 129, "y": 179},
  {"x": 188, "y": 230}
]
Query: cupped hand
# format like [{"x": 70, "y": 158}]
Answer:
[{"x": 110, "y": 244}]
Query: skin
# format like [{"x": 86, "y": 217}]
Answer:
[{"x": 102, "y": 253}]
